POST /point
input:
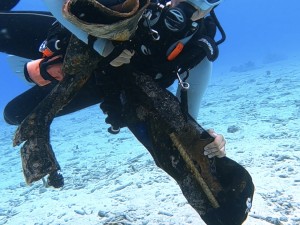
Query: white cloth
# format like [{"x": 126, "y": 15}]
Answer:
[{"x": 123, "y": 58}]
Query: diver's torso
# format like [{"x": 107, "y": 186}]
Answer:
[{"x": 159, "y": 33}]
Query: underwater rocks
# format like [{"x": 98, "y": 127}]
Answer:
[
  {"x": 233, "y": 129},
  {"x": 247, "y": 66}
]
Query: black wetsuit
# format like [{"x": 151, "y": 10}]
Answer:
[
  {"x": 8, "y": 4},
  {"x": 26, "y": 33},
  {"x": 22, "y": 34}
]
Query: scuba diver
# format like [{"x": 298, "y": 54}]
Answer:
[
  {"x": 25, "y": 24},
  {"x": 173, "y": 42}
]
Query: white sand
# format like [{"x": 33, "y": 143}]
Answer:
[{"x": 265, "y": 108}]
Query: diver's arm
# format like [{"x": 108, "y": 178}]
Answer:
[
  {"x": 7, "y": 5},
  {"x": 22, "y": 32},
  {"x": 102, "y": 46},
  {"x": 198, "y": 80}
]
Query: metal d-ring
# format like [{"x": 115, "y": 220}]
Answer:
[{"x": 184, "y": 85}]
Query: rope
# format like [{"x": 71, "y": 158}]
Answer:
[{"x": 195, "y": 172}]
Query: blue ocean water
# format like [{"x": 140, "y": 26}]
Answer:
[
  {"x": 258, "y": 33},
  {"x": 257, "y": 30}
]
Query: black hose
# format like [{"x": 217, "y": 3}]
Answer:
[{"x": 223, "y": 35}]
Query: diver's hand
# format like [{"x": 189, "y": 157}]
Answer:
[
  {"x": 217, "y": 147},
  {"x": 44, "y": 71},
  {"x": 123, "y": 58}
]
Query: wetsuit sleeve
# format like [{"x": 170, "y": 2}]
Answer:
[
  {"x": 22, "y": 32},
  {"x": 6, "y": 5}
]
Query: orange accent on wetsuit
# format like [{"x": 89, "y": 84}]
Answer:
[{"x": 176, "y": 51}]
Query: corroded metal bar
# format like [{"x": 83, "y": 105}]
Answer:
[{"x": 38, "y": 158}]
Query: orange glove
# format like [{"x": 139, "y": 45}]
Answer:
[{"x": 44, "y": 71}]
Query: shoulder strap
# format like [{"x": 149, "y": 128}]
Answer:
[{"x": 200, "y": 45}]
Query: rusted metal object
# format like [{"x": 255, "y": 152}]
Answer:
[
  {"x": 38, "y": 158},
  {"x": 225, "y": 187},
  {"x": 218, "y": 189}
]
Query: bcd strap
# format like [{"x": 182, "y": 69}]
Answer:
[
  {"x": 176, "y": 48},
  {"x": 194, "y": 52},
  {"x": 209, "y": 46},
  {"x": 184, "y": 102}
]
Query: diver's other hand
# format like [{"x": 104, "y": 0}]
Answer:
[
  {"x": 217, "y": 147},
  {"x": 123, "y": 58}
]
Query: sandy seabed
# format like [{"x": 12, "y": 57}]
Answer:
[{"x": 112, "y": 179}]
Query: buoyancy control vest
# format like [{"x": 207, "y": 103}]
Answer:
[{"x": 167, "y": 42}]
